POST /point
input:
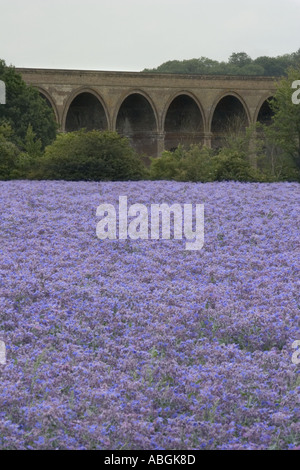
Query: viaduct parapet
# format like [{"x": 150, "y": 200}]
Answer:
[{"x": 155, "y": 111}]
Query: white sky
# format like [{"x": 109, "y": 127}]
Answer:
[{"x": 136, "y": 34}]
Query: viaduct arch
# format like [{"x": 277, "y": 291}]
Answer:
[
  {"x": 84, "y": 109},
  {"x": 155, "y": 111},
  {"x": 183, "y": 120},
  {"x": 229, "y": 114},
  {"x": 136, "y": 117}
]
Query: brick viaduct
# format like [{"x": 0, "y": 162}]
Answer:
[{"x": 156, "y": 111}]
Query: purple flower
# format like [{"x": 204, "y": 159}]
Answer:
[{"x": 140, "y": 344}]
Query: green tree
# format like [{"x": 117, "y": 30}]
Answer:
[
  {"x": 285, "y": 127},
  {"x": 273, "y": 162},
  {"x": 168, "y": 166},
  {"x": 271, "y": 66},
  {"x": 27, "y": 161},
  {"x": 241, "y": 149},
  {"x": 25, "y": 107},
  {"x": 33, "y": 146},
  {"x": 252, "y": 69},
  {"x": 239, "y": 63},
  {"x": 240, "y": 59},
  {"x": 94, "y": 155},
  {"x": 233, "y": 165},
  {"x": 194, "y": 163},
  {"x": 9, "y": 152}
]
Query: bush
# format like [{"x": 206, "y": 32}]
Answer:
[
  {"x": 200, "y": 164},
  {"x": 27, "y": 160},
  {"x": 168, "y": 166},
  {"x": 231, "y": 165},
  {"x": 276, "y": 163},
  {"x": 192, "y": 164},
  {"x": 90, "y": 156},
  {"x": 8, "y": 153}
]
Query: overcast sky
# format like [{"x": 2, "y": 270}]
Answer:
[{"x": 131, "y": 35}]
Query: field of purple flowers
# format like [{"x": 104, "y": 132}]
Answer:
[{"x": 142, "y": 344}]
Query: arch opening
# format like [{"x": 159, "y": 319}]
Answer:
[
  {"x": 136, "y": 120},
  {"x": 265, "y": 113},
  {"x": 86, "y": 112},
  {"x": 183, "y": 123},
  {"x": 229, "y": 119}
]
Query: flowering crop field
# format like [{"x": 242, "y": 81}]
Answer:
[{"x": 141, "y": 344}]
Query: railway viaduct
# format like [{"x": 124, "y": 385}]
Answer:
[{"x": 155, "y": 111}]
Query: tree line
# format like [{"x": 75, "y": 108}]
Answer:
[{"x": 239, "y": 63}]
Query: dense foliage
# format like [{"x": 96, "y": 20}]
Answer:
[
  {"x": 8, "y": 153},
  {"x": 141, "y": 344},
  {"x": 92, "y": 155},
  {"x": 25, "y": 107},
  {"x": 230, "y": 163},
  {"x": 285, "y": 129},
  {"x": 239, "y": 63},
  {"x": 201, "y": 164}
]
